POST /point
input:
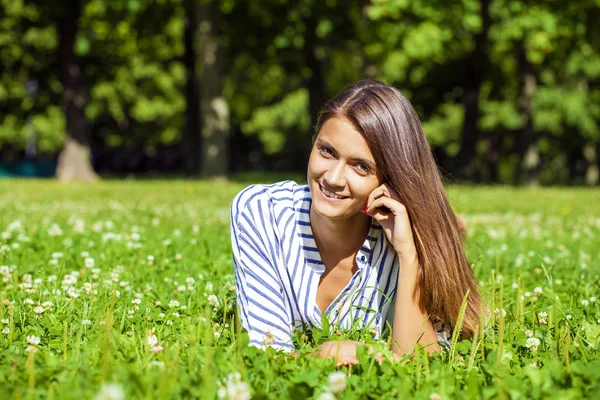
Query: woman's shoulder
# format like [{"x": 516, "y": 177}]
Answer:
[{"x": 278, "y": 192}]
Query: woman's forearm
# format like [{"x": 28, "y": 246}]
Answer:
[{"x": 411, "y": 325}]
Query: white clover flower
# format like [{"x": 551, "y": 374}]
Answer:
[
  {"x": 497, "y": 311},
  {"x": 326, "y": 396},
  {"x": 5, "y": 320},
  {"x": 213, "y": 300},
  {"x": 538, "y": 290},
  {"x": 527, "y": 294},
  {"x": 86, "y": 322},
  {"x": 585, "y": 302},
  {"x": 217, "y": 334},
  {"x": 234, "y": 388},
  {"x": 435, "y": 396},
  {"x": 593, "y": 299},
  {"x": 156, "y": 363},
  {"x": 209, "y": 286},
  {"x": 89, "y": 262},
  {"x": 173, "y": 304},
  {"x": 337, "y": 381},
  {"x": 161, "y": 315},
  {"x": 515, "y": 285},
  {"x": 28, "y": 301},
  {"x": 33, "y": 340},
  {"x": 55, "y": 230},
  {"x": 532, "y": 343},
  {"x": 152, "y": 340},
  {"x": 110, "y": 391},
  {"x": 542, "y": 314},
  {"x": 57, "y": 254},
  {"x": 157, "y": 349},
  {"x": 529, "y": 333},
  {"x": 6, "y": 330},
  {"x": 569, "y": 316},
  {"x": 39, "y": 310},
  {"x": 136, "y": 301},
  {"x": 169, "y": 322}
]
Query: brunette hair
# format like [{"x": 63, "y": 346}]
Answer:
[{"x": 394, "y": 134}]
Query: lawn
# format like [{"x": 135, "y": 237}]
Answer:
[{"x": 125, "y": 289}]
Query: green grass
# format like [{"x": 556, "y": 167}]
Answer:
[{"x": 165, "y": 245}]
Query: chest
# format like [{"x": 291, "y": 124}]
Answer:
[{"x": 333, "y": 281}]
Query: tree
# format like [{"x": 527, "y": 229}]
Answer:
[
  {"x": 214, "y": 108},
  {"x": 74, "y": 161}
]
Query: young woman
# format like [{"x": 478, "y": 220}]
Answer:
[{"x": 370, "y": 241}]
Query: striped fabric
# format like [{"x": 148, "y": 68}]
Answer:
[{"x": 278, "y": 267}]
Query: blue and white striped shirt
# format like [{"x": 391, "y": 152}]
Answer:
[{"x": 278, "y": 269}]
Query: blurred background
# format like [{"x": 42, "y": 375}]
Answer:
[{"x": 508, "y": 91}]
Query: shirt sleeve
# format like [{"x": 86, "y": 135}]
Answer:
[{"x": 260, "y": 299}]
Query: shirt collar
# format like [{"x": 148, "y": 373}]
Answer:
[{"x": 302, "y": 202}]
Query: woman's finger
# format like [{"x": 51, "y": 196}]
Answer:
[{"x": 378, "y": 205}]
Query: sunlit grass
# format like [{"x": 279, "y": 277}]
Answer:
[{"x": 130, "y": 284}]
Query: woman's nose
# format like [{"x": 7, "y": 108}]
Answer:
[{"x": 336, "y": 176}]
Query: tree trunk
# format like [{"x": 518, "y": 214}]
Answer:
[
  {"x": 191, "y": 140},
  {"x": 529, "y": 157},
  {"x": 74, "y": 161},
  {"x": 475, "y": 68},
  {"x": 214, "y": 107},
  {"x": 592, "y": 173},
  {"x": 491, "y": 158}
]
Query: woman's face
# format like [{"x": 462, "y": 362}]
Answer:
[{"x": 341, "y": 170}]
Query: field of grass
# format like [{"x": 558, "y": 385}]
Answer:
[{"x": 125, "y": 289}]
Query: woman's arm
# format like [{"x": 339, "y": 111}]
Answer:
[
  {"x": 411, "y": 325},
  {"x": 260, "y": 298}
]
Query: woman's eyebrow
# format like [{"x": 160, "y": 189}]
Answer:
[{"x": 324, "y": 142}]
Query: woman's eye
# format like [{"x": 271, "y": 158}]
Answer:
[
  {"x": 363, "y": 168},
  {"x": 325, "y": 150}
]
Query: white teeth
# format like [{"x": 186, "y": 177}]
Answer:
[{"x": 330, "y": 194}]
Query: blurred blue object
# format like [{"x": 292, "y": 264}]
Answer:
[{"x": 28, "y": 169}]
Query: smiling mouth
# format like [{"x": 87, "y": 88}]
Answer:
[{"x": 331, "y": 195}]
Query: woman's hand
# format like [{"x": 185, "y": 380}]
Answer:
[
  {"x": 395, "y": 223},
  {"x": 344, "y": 352}
]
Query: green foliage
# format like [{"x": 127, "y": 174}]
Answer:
[
  {"x": 131, "y": 53},
  {"x": 273, "y": 123}
]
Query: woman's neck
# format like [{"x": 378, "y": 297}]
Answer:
[{"x": 339, "y": 238}]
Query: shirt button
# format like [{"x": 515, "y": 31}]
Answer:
[{"x": 363, "y": 258}]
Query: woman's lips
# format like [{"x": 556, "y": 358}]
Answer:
[{"x": 330, "y": 195}]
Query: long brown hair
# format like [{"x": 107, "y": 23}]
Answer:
[{"x": 394, "y": 133}]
